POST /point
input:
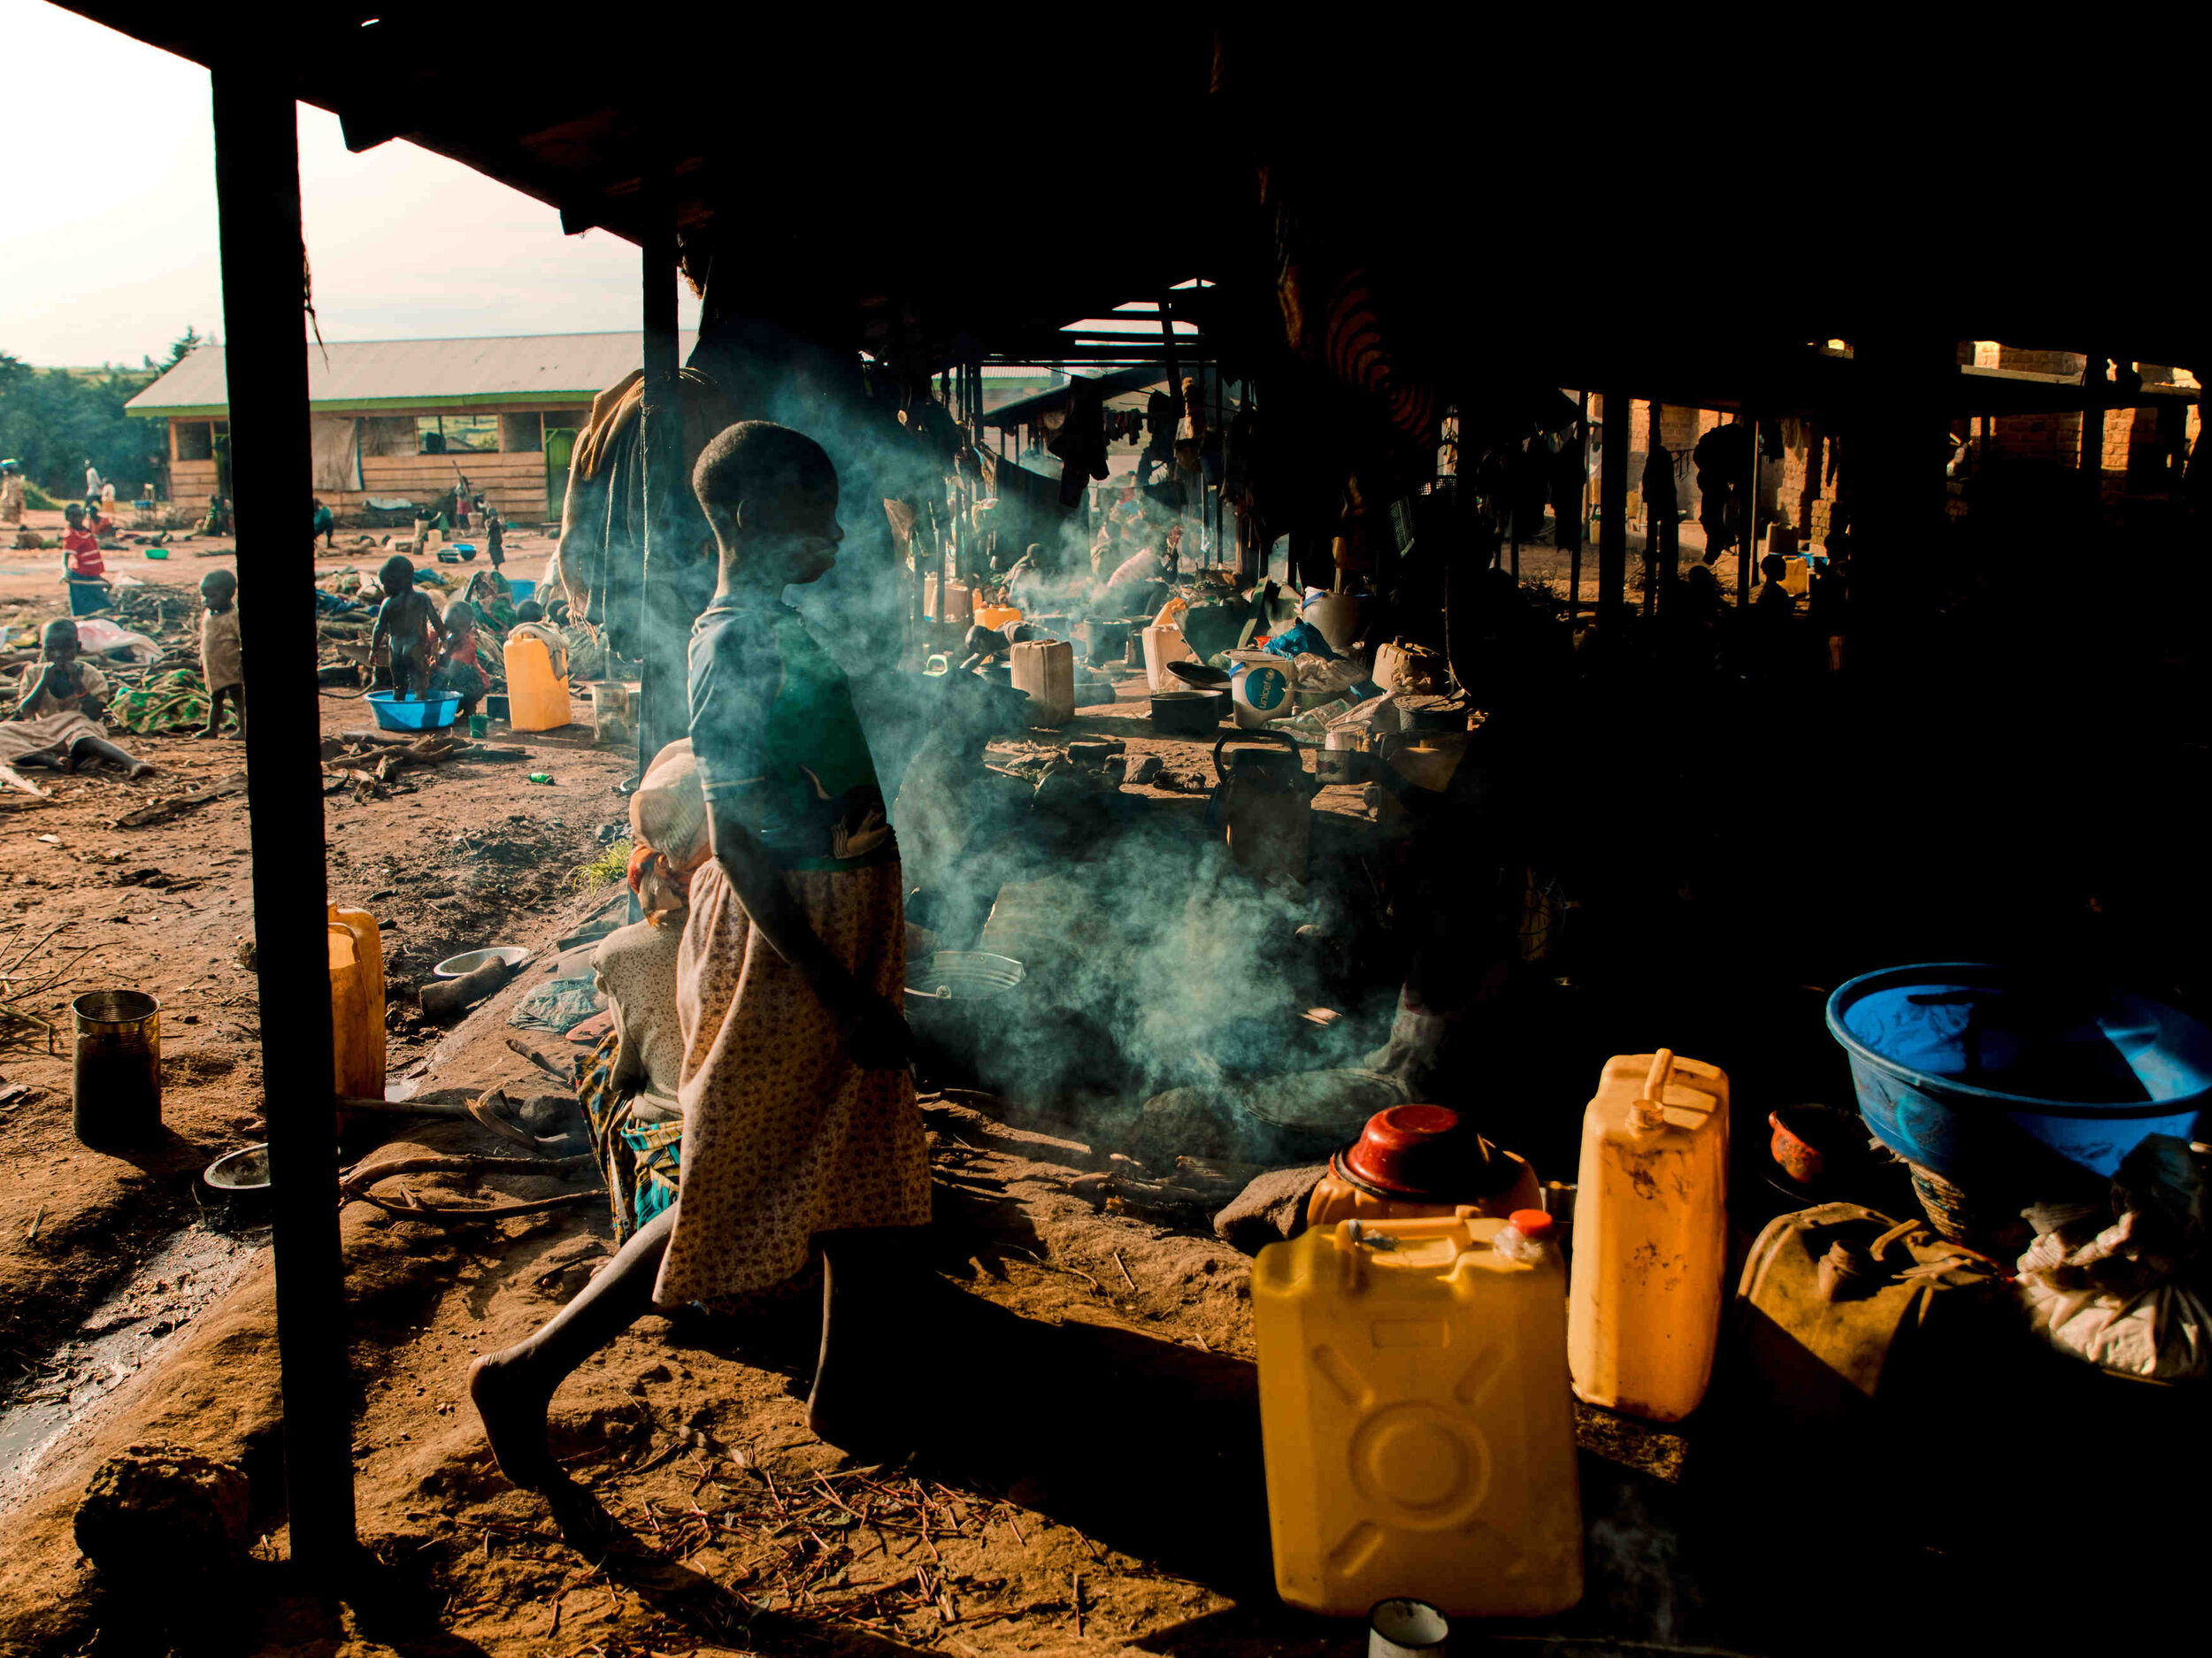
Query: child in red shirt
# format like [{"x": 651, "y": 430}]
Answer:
[
  {"x": 457, "y": 671},
  {"x": 80, "y": 549}
]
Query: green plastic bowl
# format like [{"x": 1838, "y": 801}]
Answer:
[{"x": 155, "y": 552}]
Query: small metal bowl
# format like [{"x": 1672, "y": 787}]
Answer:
[
  {"x": 468, "y": 961},
  {"x": 242, "y": 1176},
  {"x": 245, "y": 1170}
]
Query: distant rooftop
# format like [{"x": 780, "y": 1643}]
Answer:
[{"x": 369, "y": 375}]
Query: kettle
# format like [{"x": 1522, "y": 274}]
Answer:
[{"x": 1263, "y": 804}]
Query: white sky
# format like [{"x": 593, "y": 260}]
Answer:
[{"x": 107, "y": 217}]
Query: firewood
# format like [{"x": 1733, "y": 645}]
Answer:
[{"x": 451, "y": 996}]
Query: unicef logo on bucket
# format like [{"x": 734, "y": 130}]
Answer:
[{"x": 1265, "y": 687}]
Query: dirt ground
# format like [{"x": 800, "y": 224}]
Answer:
[
  {"x": 467, "y": 855},
  {"x": 1106, "y": 1491},
  {"x": 767, "y": 1515}
]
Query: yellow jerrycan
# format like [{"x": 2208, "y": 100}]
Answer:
[
  {"x": 356, "y": 1003},
  {"x": 537, "y": 692},
  {"x": 1650, "y": 1236},
  {"x": 1414, "y": 1412}
]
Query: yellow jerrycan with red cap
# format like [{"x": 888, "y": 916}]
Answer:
[
  {"x": 1650, "y": 1236},
  {"x": 1415, "y": 1416}
]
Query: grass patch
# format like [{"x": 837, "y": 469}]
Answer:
[{"x": 605, "y": 870}]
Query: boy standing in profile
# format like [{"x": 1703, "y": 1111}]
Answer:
[{"x": 222, "y": 658}]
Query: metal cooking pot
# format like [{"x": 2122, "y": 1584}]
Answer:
[{"x": 1186, "y": 713}]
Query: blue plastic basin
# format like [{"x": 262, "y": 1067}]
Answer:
[
  {"x": 1980, "y": 1073},
  {"x": 432, "y": 713},
  {"x": 522, "y": 590}
]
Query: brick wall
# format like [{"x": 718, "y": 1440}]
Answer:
[{"x": 2055, "y": 438}]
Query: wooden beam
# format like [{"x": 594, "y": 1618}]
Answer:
[
  {"x": 1613, "y": 508},
  {"x": 665, "y": 711},
  {"x": 263, "y": 250}
]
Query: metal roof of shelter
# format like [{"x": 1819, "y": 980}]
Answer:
[
  {"x": 1023, "y": 409},
  {"x": 371, "y": 374},
  {"x": 857, "y": 206}
]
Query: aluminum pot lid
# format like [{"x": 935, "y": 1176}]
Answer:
[
  {"x": 1199, "y": 674},
  {"x": 1323, "y": 1101}
]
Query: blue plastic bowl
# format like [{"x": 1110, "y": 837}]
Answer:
[
  {"x": 522, "y": 591},
  {"x": 431, "y": 713},
  {"x": 1980, "y": 1074}
]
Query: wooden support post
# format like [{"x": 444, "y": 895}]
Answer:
[
  {"x": 1654, "y": 576},
  {"x": 1901, "y": 394},
  {"x": 1513, "y": 516},
  {"x": 1167, "y": 347},
  {"x": 1746, "y": 554},
  {"x": 665, "y": 714},
  {"x": 2092, "y": 401},
  {"x": 263, "y": 256},
  {"x": 1613, "y": 508},
  {"x": 1574, "y": 554}
]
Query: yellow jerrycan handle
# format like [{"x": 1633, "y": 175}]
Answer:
[{"x": 1650, "y": 1109}]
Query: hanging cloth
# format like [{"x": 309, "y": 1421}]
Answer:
[
  {"x": 1567, "y": 475},
  {"x": 1080, "y": 442},
  {"x": 1531, "y": 489}
]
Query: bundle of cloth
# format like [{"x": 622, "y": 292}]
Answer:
[{"x": 628, "y": 1082}]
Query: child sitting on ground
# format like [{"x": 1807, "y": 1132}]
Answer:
[
  {"x": 1774, "y": 599},
  {"x": 457, "y": 671},
  {"x": 530, "y": 624},
  {"x": 222, "y": 658},
  {"x": 57, "y": 718},
  {"x": 407, "y": 625}
]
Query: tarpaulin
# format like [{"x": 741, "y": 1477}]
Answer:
[{"x": 336, "y": 450}]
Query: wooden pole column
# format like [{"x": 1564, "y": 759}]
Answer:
[
  {"x": 1895, "y": 453},
  {"x": 2093, "y": 381},
  {"x": 1653, "y": 575},
  {"x": 263, "y": 257},
  {"x": 1746, "y": 554},
  {"x": 665, "y": 691},
  {"x": 1613, "y": 505},
  {"x": 1574, "y": 553}
]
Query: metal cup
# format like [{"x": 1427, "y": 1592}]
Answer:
[
  {"x": 1406, "y": 1628},
  {"x": 115, "y": 1072}
]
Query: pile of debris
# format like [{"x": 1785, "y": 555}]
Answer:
[{"x": 368, "y": 762}]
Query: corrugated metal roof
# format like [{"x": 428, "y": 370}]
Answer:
[{"x": 404, "y": 371}]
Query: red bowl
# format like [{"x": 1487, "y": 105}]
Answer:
[
  {"x": 1421, "y": 1151},
  {"x": 1811, "y": 1142}
]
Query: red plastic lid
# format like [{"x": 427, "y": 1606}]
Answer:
[
  {"x": 1533, "y": 1224},
  {"x": 1419, "y": 1151}
]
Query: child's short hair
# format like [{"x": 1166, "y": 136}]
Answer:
[
  {"x": 777, "y": 470},
  {"x": 529, "y": 610},
  {"x": 215, "y": 581},
  {"x": 460, "y": 614},
  {"x": 395, "y": 576},
  {"x": 1774, "y": 566}
]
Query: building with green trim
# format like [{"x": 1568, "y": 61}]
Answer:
[{"x": 406, "y": 419}]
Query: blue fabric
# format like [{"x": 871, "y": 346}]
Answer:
[
  {"x": 557, "y": 1005},
  {"x": 1302, "y": 638}
]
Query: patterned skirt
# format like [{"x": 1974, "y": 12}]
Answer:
[
  {"x": 638, "y": 1159},
  {"x": 784, "y": 1138}
]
